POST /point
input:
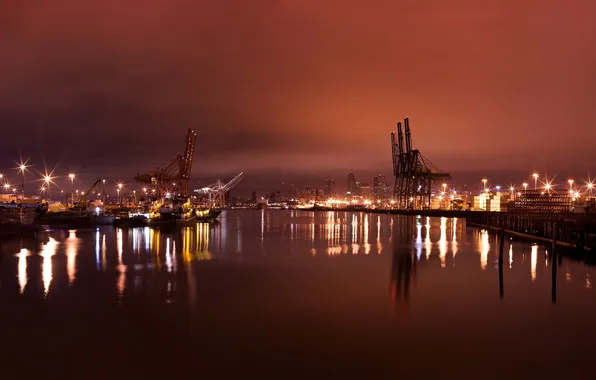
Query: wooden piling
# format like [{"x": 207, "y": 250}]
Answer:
[
  {"x": 501, "y": 248},
  {"x": 554, "y": 264}
]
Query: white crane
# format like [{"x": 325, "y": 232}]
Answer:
[{"x": 217, "y": 191}]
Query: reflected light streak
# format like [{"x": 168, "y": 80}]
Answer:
[
  {"x": 427, "y": 242},
  {"x": 366, "y": 245},
  {"x": 121, "y": 267},
  {"x": 238, "y": 237},
  {"x": 354, "y": 241},
  {"x": 510, "y": 256},
  {"x": 354, "y": 227},
  {"x": 135, "y": 236},
  {"x": 203, "y": 247},
  {"x": 443, "y": 242},
  {"x": 47, "y": 251},
  {"x": 379, "y": 244},
  {"x": 333, "y": 251},
  {"x": 104, "y": 261},
  {"x": 97, "y": 249},
  {"x": 533, "y": 262},
  {"x": 22, "y": 268},
  {"x": 147, "y": 238},
  {"x": 454, "y": 239},
  {"x": 262, "y": 227},
  {"x": 168, "y": 256},
  {"x": 418, "y": 241},
  {"x": 72, "y": 245},
  {"x": 484, "y": 249},
  {"x": 186, "y": 255}
]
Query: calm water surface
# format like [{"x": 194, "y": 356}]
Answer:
[{"x": 288, "y": 294}]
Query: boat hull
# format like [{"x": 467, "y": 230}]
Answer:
[{"x": 172, "y": 221}]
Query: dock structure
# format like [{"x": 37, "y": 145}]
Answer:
[{"x": 414, "y": 173}]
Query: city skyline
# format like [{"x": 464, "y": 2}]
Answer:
[{"x": 286, "y": 86}]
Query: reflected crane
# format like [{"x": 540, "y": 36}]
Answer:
[{"x": 218, "y": 190}]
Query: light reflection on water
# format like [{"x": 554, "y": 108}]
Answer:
[
  {"x": 315, "y": 286},
  {"x": 534, "y": 261},
  {"x": 331, "y": 234},
  {"x": 484, "y": 248},
  {"x": 72, "y": 247},
  {"x": 23, "y": 269},
  {"x": 48, "y": 250}
]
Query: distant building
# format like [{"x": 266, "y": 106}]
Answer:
[
  {"x": 352, "y": 185},
  {"x": 329, "y": 188},
  {"x": 275, "y": 197},
  {"x": 379, "y": 186},
  {"x": 254, "y": 197},
  {"x": 364, "y": 190}
]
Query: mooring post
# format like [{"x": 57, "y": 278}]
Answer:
[
  {"x": 501, "y": 248},
  {"x": 554, "y": 263}
]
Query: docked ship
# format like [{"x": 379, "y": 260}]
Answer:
[
  {"x": 177, "y": 211},
  {"x": 17, "y": 219}
]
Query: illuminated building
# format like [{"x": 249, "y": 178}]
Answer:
[
  {"x": 364, "y": 189},
  {"x": 379, "y": 185},
  {"x": 352, "y": 185}
]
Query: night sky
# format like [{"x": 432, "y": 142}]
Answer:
[{"x": 299, "y": 88}]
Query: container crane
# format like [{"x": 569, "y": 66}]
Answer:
[
  {"x": 218, "y": 190},
  {"x": 175, "y": 175}
]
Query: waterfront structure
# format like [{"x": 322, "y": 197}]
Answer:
[
  {"x": 218, "y": 193},
  {"x": 414, "y": 173}
]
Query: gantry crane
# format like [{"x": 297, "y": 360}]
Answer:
[
  {"x": 218, "y": 190},
  {"x": 175, "y": 175},
  {"x": 414, "y": 173}
]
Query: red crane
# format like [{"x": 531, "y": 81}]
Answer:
[{"x": 175, "y": 175}]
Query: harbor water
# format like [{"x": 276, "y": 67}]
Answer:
[{"x": 293, "y": 294}]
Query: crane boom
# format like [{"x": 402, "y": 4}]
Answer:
[
  {"x": 84, "y": 196},
  {"x": 408, "y": 135}
]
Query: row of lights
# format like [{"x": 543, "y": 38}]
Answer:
[{"x": 547, "y": 185}]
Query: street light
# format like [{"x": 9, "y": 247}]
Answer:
[
  {"x": 525, "y": 185},
  {"x": 535, "y": 175},
  {"x": 22, "y": 168},
  {"x": 484, "y": 181},
  {"x": 570, "y": 181}
]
